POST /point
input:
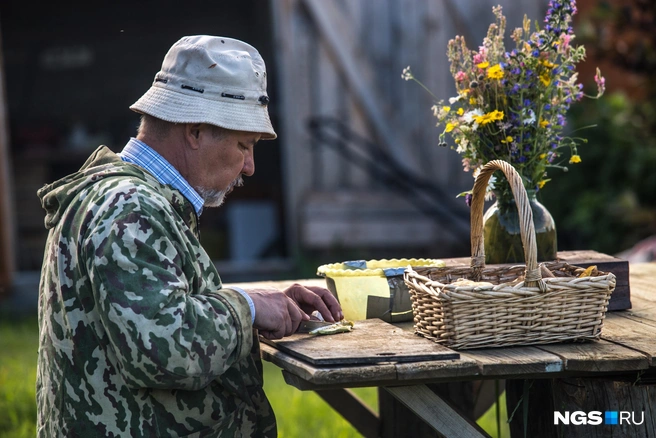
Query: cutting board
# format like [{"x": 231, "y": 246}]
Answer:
[{"x": 371, "y": 341}]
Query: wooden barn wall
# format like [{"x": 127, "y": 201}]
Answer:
[{"x": 343, "y": 59}]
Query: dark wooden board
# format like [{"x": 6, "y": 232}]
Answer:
[
  {"x": 621, "y": 296},
  {"x": 371, "y": 341}
]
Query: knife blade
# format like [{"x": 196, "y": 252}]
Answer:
[{"x": 308, "y": 326}]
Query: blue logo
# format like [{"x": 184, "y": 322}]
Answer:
[{"x": 611, "y": 417}]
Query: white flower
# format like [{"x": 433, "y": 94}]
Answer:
[
  {"x": 490, "y": 184},
  {"x": 462, "y": 146},
  {"x": 529, "y": 117},
  {"x": 440, "y": 111},
  {"x": 489, "y": 194},
  {"x": 407, "y": 74},
  {"x": 453, "y": 100},
  {"x": 468, "y": 117}
]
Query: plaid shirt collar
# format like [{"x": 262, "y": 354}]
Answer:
[{"x": 139, "y": 153}]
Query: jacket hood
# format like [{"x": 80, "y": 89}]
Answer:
[{"x": 103, "y": 163}]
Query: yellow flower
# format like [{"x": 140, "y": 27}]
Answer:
[
  {"x": 548, "y": 64},
  {"x": 496, "y": 115},
  {"x": 545, "y": 78},
  {"x": 489, "y": 117},
  {"x": 544, "y": 123},
  {"x": 446, "y": 109},
  {"x": 472, "y": 101},
  {"x": 465, "y": 91},
  {"x": 449, "y": 127},
  {"x": 542, "y": 183},
  {"x": 542, "y": 157},
  {"x": 575, "y": 159},
  {"x": 483, "y": 64},
  {"x": 483, "y": 120},
  {"x": 460, "y": 111},
  {"x": 495, "y": 72},
  {"x": 508, "y": 139}
]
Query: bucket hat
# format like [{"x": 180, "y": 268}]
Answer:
[{"x": 207, "y": 79}]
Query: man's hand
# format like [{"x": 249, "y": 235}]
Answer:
[
  {"x": 279, "y": 313},
  {"x": 276, "y": 315},
  {"x": 311, "y": 298}
]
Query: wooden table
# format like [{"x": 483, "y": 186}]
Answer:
[{"x": 617, "y": 373}]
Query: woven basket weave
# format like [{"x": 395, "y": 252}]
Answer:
[{"x": 478, "y": 306}]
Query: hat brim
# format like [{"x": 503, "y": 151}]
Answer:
[{"x": 183, "y": 108}]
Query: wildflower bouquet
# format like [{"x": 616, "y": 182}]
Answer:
[{"x": 511, "y": 105}]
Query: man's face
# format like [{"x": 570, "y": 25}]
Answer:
[{"x": 222, "y": 160}]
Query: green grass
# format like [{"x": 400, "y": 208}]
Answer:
[
  {"x": 299, "y": 413},
  {"x": 304, "y": 413},
  {"x": 488, "y": 420},
  {"x": 19, "y": 344}
]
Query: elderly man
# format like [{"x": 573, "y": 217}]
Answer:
[{"x": 137, "y": 335}]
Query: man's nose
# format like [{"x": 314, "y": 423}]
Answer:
[{"x": 249, "y": 166}]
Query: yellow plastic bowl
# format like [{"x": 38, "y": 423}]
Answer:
[{"x": 373, "y": 288}]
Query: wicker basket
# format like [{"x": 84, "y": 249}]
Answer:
[{"x": 474, "y": 307}]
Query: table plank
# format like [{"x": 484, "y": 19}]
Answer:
[
  {"x": 632, "y": 334},
  {"x": 435, "y": 411},
  {"x": 280, "y": 284},
  {"x": 643, "y": 312},
  {"x": 598, "y": 356},
  {"x": 443, "y": 370},
  {"x": 643, "y": 281},
  {"x": 514, "y": 361}
]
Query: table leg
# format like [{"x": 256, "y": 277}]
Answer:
[
  {"x": 442, "y": 418},
  {"x": 353, "y": 409}
]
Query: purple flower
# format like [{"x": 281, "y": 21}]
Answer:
[
  {"x": 551, "y": 156},
  {"x": 468, "y": 199},
  {"x": 561, "y": 120},
  {"x": 536, "y": 53}
]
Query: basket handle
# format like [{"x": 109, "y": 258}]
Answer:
[{"x": 532, "y": 275}]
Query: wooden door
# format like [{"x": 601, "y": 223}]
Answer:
[{"x": 341, "y": 61}]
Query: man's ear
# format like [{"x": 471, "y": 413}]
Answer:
[{"x": 192, "y": 134}]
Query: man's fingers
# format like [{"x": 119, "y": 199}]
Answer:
[
  {"x": 296, "y": 315},
  {"x": 330, "y": 301}
]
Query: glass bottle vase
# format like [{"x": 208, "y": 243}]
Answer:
[{"x": 503, "y": 243}]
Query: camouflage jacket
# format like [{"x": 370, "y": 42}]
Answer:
[{"x": 137, "y": 337}]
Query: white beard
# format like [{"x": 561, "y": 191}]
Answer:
[{"x": 215, "y": 198}]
